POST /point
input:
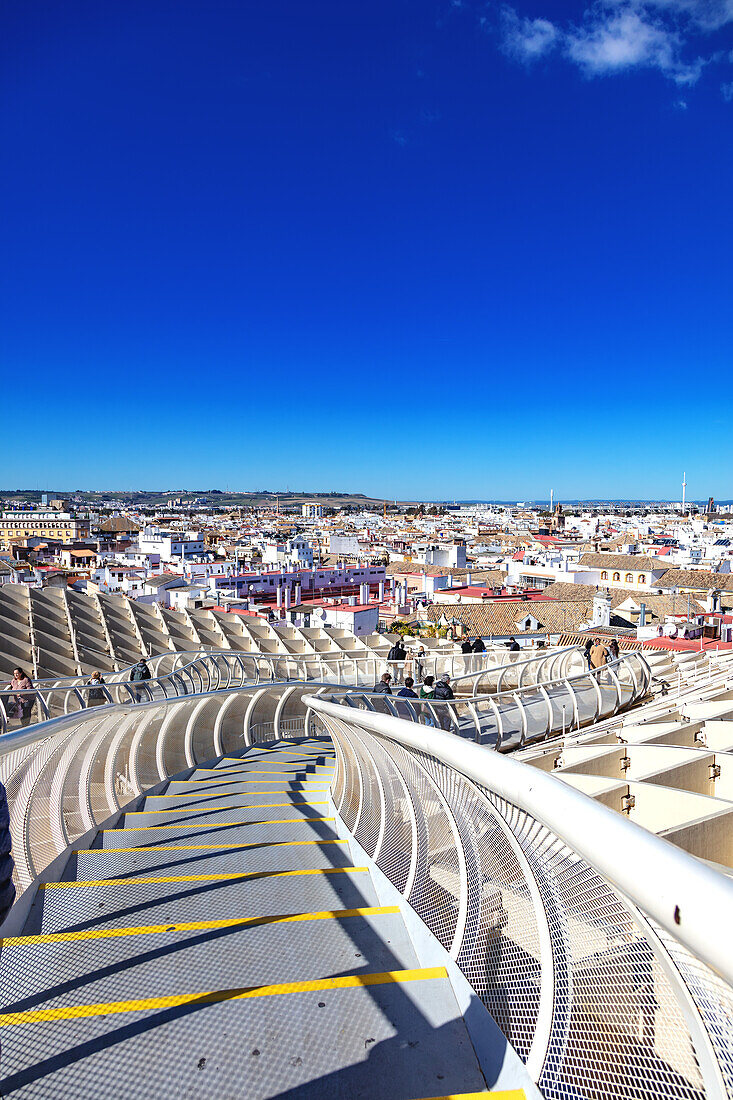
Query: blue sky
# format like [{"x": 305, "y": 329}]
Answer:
[{"x": 416, "y": 248}]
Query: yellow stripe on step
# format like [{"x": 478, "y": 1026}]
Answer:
[
  {"x": 223, "y": 876},
  {"x": 197, "y": 926},
  {"x": 250, "y": 782},
  {"x": 201, "y": 847},
  {"x": 222, "y": 825},
  {"x": 226, "y": 772},
  {"x": 201, "y": 1000},
  {"x": 216, "y": 809},
  {"x": 510, "y": 1094},
  {"x": 193, "y": 795}
]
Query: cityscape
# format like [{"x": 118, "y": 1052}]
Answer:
[
  {"x": 538, "y": 573},
  {"x": 366, "y": 550}
]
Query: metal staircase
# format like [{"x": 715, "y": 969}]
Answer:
[{"x": 221, "y": 941}]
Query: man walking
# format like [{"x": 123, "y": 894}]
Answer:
[
  {"x": 140, "y": 672},
  {"x": 383, "y": 688},
  {"x": 396, "y": 656}
]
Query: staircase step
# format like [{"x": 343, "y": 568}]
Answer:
[
  {"x": 296, "y": 828},
  {"x": 277, "y": 809},
  {"x": 325, "y": 1040},
  {"x": 211, "y": 858},
  {"x": 77, "y": 969},
  {"x": 112, "y": 904}
]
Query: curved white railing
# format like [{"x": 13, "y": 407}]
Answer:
[
  {"x": 511, "y": 719},
  {"x": 601, "y": 950},
  {"x": 176, "y": 674},
  {"x": 69, "y": 773}
]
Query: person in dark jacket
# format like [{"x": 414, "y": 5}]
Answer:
[
  {"x": 406, "y": 692},
  {"x": 586, "y": 649},
  {"x": 396, "y": 657},
  {"x": 513, "y": 645},
  {"x": 614, "y": 650},
  {"x": 138, "y": 673},
  {"x": 442, "y": 693},
  {"x": 7, "y": 889},
  {"x": 478, "y": 646},
  {"x": 443, "y": 690},
  {"x": 383, "y": 688},
  {"x": 466, "y": 646}
]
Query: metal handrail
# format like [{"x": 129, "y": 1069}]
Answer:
[
  {"x": 232, "y": 668},
  {"x": 520, "y": 666},
  {"x": 588, "y": 935},
  {"x": 328, "y": 656},
  {"x": 682, "y": 894}
]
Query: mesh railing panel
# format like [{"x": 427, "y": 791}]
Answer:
[
  {"x": 584, "y": 988},
  {"x": 500, "y": 949}
]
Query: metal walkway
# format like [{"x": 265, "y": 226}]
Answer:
[{"x": 222, "y": 942}]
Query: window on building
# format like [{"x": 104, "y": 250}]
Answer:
[
  {"x": 642, "y": 578},
  {"x": 629, "y": 579},
  {"x": 604, "y": 575},
  {"x": 617, "y": 576}
]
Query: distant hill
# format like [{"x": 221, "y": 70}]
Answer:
[{"x": 218, "y": 498}]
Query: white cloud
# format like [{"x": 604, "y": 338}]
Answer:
[
  {"x": 707, "y": 15},
  {"x": 527, "y": 39},
  {"x": 618, "y": 35},
  {"x": 611, "y": 41},
  {"x": 727, "y": 90}
]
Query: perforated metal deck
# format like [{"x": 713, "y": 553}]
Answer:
[{"x": 222, "y": 943}]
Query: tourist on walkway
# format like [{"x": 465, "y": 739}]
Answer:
[
  {"x": 420, "y": 663},
  {"x": 598, "y": 654},
  {"x": 444, "y": 692},
  {"x": 383, "y": 688},
  {"x": 427, "y": 691},
  {"x": 513, "y": 645},
  {"x": 396, "y": 656},
  {"x": 95, "y": 695},
  {"x": 407, "y": 691},
  {"x": 613, "y": 649},
  {"x": 478, "y": 646},
  {"x": 140, "y": 672},
  {"x": 586, "y": 649},
  {"x": 22, "y": 704},
  {"x": 466, "y": 646}
]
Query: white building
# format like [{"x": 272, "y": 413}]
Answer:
[
  {"x": 186, "y": 598},
  {"x": 295, "y": 551},
  {"x": 171, "y": 546},
  {"x": 446, "y": 555},
  {"x": 359, "y": 618},
  {"x": 158, "y": 589},
  {"x": 312, "y": 509},
  {"x": 116, "y": 576},
  {"x": 348, "y": 545}
]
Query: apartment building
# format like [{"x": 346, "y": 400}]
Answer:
[{"x": 46, "y": 524}]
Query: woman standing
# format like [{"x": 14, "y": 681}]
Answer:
[
  {"x": 23, "y": 703},
  {"x": 95, "y": 696}
]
